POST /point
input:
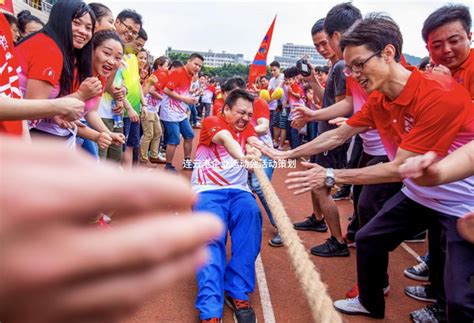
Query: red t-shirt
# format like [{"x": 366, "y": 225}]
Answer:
[
  {"x": 214, "y": 167},
  {"x": 431, "y": 113},
  {"x": 212, "y": 88},
  {"x": 45, "y": 64},
  {"x": 261, "y": 110},
  {"x": 162, "y": 76},
  {"x": 212, "y": 125},
  {"x": 464, "y": 75},
  {"x": 173, "y": 110},
  {"x": 296, "y": 88},
  {"x": 9, "y": 81},
  {"x": 218, "y": 105}
]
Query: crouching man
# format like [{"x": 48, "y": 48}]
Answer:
[{"x": 220, "y": 179}]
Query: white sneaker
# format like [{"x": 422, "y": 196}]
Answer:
[
  {"x": 351, "y": 306},
  {"x": 162, "y": 156}
]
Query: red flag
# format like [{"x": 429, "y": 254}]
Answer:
[
  {"x": 259, "y": 64},
  {"x": 7, "y": 5}
]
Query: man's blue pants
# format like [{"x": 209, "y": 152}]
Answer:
[{"x": 241, "y": 216}]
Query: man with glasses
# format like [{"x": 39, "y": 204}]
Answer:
[
  {"x": 368, "y": 199},
  {"x": 129, "y": 26},
  {"x": 414, "y": 113}
]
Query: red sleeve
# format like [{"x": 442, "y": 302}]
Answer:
[
  {"x": 249, "y": 132},
  {"x": 43, "y": 59},
  {"x": 162, "y": 77},
  {"x": 174, "y": 79},
  {"x": 210, "y": 127},
  {"x": 438, "y": 122},
  {"x": 364, "y": 117},
  {"x": 217, "y": 107},
  {"x": 261, "y": 109}
]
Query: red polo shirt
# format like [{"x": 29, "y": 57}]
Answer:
[
  {"x": 9, "y": 81},
  {"x": 428, "y": 114},
  {"x": 464, "y": 74}
]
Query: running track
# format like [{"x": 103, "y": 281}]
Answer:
[{"x": 282, "y": 300}]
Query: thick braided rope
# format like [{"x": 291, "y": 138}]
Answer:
[{"x": 321, "y": 304}]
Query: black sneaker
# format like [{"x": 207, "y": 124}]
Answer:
[
  {"x": 331, "y": 248},
  {"x": 188, "y": 164},
  {"x": 419, "y": 272},
  {"x": 170, "y": 168},
  {"x": 243, "y": 312},
  {"x": 276, "y": 241},
  {"x": 311, "y": 224},
  {"x": 421, "y": 293},
  {"x": 430, "y": 314},
  {"x": 343, "y": 194}
]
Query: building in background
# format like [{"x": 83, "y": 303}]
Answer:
[
  {"x": 291, "y": 53},
  {"x": 38, "y": 8},
  {"x": 213, "y": 59}
]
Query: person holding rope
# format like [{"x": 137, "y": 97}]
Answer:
[
  {"x": 220, "y": 179},
  {"x": 412, "y": 117}
]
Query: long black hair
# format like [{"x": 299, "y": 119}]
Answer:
[{"x": 59, "y": 28}]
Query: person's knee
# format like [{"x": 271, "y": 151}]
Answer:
[{"x": 363, "y": 236}]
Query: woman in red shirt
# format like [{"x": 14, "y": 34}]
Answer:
[{"x": 57, "y": 62}]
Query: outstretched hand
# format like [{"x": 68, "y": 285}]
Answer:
[
  {"x": 59, "y": 266},
  {"x": 304, "y": 181}
]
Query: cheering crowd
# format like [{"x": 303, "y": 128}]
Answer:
[{"x": 82, "y": 95}]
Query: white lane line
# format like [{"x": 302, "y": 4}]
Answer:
[
  {"x": 267, "y": 308},
  {"x": 411, "y": 251}
]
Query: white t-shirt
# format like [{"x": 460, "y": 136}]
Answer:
[{"x": 272, "y": 85}]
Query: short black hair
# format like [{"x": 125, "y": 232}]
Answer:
[
  {"x": 423, "y": 62},
  {"x": 375, "y": 32},
  {"x": 444, "y": 15},
  {"x": 322, "y": 68},
  {"x": 341, "y": 17},
  {"x": 195, "y": 55},
  {"x": 142, "y": 34},
  {"x": 290, "y": 72},
  {"x": 130, "y": 14},
  {"x": 232, "y": 84},
  {"x": 176, "y": 64},
  {"x": 275, "y": 64},
  {"x": 317, "y": 27},
  {"x": 238, "y": 94}
]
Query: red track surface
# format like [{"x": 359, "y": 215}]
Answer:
[{"x": 176, "y": 304}]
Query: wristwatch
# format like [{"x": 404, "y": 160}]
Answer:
[{"x": 329, "y": 181}]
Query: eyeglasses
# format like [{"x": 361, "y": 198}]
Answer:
[
  {"x": 130, "y": 29},
  {"x": 357, "y": 68}
]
